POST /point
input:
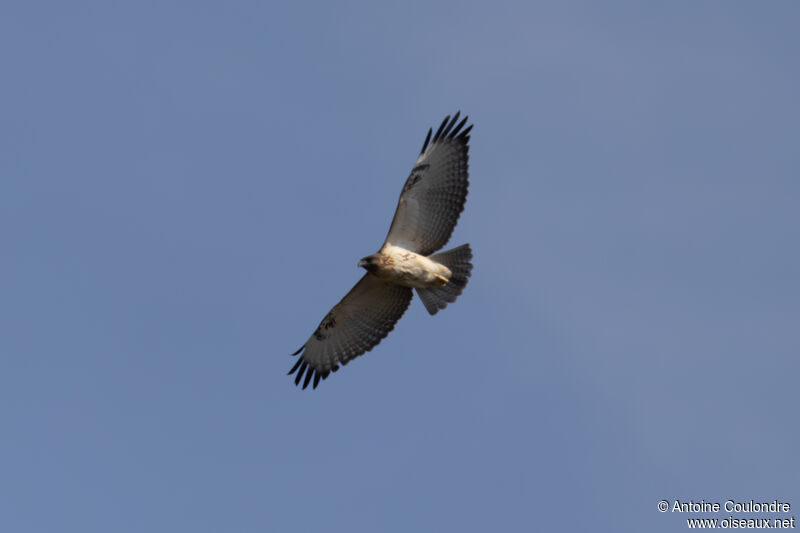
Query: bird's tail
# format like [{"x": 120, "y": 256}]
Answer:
[{"x": 458, "y": 261}]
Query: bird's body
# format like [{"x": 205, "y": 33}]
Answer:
[
  {"x": 427, "y": 211},
  {"x": 406, "y": 268}
]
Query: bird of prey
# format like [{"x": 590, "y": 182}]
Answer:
[{"x": 428, "y": 209}]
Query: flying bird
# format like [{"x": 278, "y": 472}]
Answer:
[{"x": 428, "y": 209}]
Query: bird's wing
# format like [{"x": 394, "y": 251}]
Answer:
[
  {"x": 434, "y": 194},
  {"x": 354, "y": 326}
]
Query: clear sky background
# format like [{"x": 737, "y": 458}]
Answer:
[{"x": 185, "y": 191}]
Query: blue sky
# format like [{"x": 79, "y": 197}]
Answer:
[{"x": 185, "y": 191}]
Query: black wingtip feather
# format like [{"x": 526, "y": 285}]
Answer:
[
  {"x": 449, "y": 130},
  {"x": 300, "y": 350},
  {"x": 441, "y": 127},
  {"x": 312, "y": 376},
  {"x": 446, "y": 132},
  {"x": 309, "y": 375},
  {"x": 458, "y": 128},
  {"x": 300, "y": 373},
  {"x": 427, "y": 140},
  {"x": 295, "y": 367}
]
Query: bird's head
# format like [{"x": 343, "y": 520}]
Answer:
[{"x": 369, "y": 263}]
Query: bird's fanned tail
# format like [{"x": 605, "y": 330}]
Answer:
[{"x": 458, "y": 261}]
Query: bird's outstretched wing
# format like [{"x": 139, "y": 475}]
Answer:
[
  {"x": 434, "y": 194},
  {"x": 354, "y": 326}
]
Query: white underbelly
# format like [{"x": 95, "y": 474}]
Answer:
[{"x": 413, "y": 270}]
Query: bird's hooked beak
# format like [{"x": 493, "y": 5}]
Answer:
[{"x": 368, "y": 263}]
